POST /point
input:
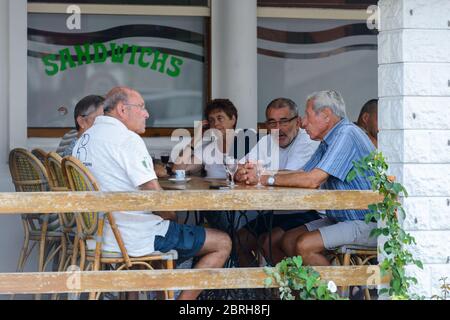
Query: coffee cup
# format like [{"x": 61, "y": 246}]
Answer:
[{"x": 180, "y": 174}]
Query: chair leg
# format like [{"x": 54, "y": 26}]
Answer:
[
  {"x": 346, "y": 262},
  {"x": 169, "y": 294},
  {"x": 23, "y": 252},
  {"x": 42, "y": 250}
]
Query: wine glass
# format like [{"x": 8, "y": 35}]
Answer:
[
  {"x": 231, "y": 166},
  {"x": 259, "y": 166}
]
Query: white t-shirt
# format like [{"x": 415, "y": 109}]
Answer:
[
  {"x": 212, "y": 158},
  {"x": 119, "y": 160},
  {"x": 293, "y": 157}
]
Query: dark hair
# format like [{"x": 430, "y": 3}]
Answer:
[
  {"x": 279, "y": 103},
  {"x": 86, "y": 106},
  {"x": 224, "y": 105},
  {"x": 369, "y": 107}
]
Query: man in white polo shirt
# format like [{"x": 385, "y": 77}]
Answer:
[
  {"x": 118, "y": 158},
  {"x": 289, "y": 150}
]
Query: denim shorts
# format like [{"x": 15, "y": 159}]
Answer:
[
  {"x": 187, "y": 240},
  {"x": 286, "y": 221}
]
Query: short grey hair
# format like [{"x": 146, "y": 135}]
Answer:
[
  {"x": 328, "y": 99},
  {"x": 279, "y": 103},
  {"x": 114, "y": 96}
]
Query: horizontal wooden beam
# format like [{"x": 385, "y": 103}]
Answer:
[
  {"x": 180, "y": 279},
  {"x": 236, "y": 199},
  {"x": 114, "y": 9}
]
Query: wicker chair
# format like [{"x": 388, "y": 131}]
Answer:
[
  {"x": 349, "y": 255},
  {"x": 29, "y": 175},
  {"x": 40, "y": 154},
  {"x": 90, "y": 231},
  {"x": 57, "y": 182}
]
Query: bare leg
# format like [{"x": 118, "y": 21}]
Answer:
[
  {"x": 310, "y": 246},
  {"x": 214, "y": 254},
  {"x": 275, "y": 241},
  {"x": 246, "y": 244},
  {"x": 288, "y": 242}
]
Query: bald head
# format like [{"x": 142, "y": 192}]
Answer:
[
  {"x": 117, "y": 95},
  {"x": 128, "y": 106}
]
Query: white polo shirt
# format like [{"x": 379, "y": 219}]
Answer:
[
  {"x": 119, "y": 160},
  {"x": 293, "y": 157}
]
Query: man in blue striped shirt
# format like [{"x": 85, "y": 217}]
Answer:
[{"x": 342, "y": 142}]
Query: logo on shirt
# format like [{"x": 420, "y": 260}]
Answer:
[
  {"x": 81, "y": 150},
  {"x": 146, "y": 163}
]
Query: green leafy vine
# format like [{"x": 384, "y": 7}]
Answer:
[
  {"x": 395, "y": 249},
  {"x": 298, "y": 281}
]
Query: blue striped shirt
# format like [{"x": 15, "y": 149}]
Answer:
[{"x": 342, "y": 145}]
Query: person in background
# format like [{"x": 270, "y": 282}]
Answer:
[
  {"x": 208, "y": 155},
  {"x": 86, "y": 110},
  {"x": 222, "y": 115},
  {"x": 368, "y": 120}
]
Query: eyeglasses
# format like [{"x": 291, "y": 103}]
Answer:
[
  {"x": 139, "y": 106},
  {"x": 282, "y": 122}
]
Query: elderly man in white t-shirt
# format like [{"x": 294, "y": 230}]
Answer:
[
  {"x": 118, "y": 158},
  {"x": 294, "y": 148}
]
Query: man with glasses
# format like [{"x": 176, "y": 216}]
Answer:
[
  {"x": 86, "y": 110},
  {"x": 286, "y": 148},
  {"x": 341, "y": 144},
  {"x": 118, "y": 158}
]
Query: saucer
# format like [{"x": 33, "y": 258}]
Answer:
[{"x": 179, "y": 180}]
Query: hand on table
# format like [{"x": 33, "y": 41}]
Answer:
[
  {"x": 160, "y": 170},
  {"x": 247, "y": 173}
]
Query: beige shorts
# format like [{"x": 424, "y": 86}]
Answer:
[{"x": 336, "y": 234}]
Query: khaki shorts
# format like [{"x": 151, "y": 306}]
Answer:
[{"x": 336, "y": 234}]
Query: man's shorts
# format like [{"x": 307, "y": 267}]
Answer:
[
  {"x": 286, "y": 221},
  {"x": 335, "y": 234},
  {"x": 187, "y": 240}
]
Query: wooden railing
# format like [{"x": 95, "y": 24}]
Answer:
[{"x": 179, "y": 279}]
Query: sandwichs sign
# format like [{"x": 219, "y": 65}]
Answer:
[{"x": 144, "y": 57}]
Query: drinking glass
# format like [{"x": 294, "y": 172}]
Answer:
[
  {"x": 165, "y": 156},
  {"x": 231, "y": 166},
  {"x": 259, "y": 171}
]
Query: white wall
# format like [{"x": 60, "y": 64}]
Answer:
[
  {"x": 414, "y": 118},
  {"x": 11, "y": 233}
]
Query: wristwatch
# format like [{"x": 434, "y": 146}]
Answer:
[{"x": 271, "y": 180}]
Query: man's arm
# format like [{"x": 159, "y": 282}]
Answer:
[
  {"x": 311, "y": 180},
  {"x": 154, "y": 185}
]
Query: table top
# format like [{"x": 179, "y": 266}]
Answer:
[{"x": 198, "y": 183}]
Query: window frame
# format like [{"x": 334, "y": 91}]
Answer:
[{"x": 115, "y": 9}]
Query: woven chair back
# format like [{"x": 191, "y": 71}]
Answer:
[
  {"x": 28, "y": 175},
  {"x": 40, "y": 154},
  {"x": 27, "y": 172},
  {"x": 57, "y": 182},
  {"x": 56, "y": 178},
  {"x": 80, "y": 179}
]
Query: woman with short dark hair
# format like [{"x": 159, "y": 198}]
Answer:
[{"x": 221, "y": 118}]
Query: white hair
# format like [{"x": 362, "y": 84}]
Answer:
[{"x": 328, "y": 99}]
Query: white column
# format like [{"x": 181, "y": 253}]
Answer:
[
  {"x": 234, "y": 56},
  {"x": 414, "y": 120},
  {"x": 17, "y": 74}
]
